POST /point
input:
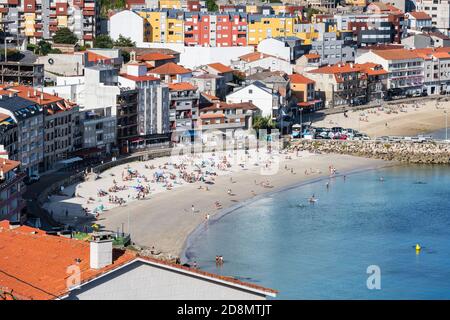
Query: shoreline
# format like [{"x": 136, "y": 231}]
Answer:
[
  {"x": 192, "y": 237},
  {"x": 165, "y": 221}
]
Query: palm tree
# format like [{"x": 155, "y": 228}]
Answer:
[{"x": 261, "y": 123}]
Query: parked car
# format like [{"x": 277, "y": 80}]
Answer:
[{"x": 32, "y": 178}]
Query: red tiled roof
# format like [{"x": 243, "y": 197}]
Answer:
[
  {"x": 139, "y": 78},
  {"x": 34, "y": 265},
  {"x": 211, "y": 115},
  {"x": 4, "y": 116},
  {"x": 181, "y": 86},
  {"x": 312, "y": 56},
  {"x": 420, "y": 15},
  {"x": 7, "y": 165},
  {"x": 372, "y": 69},
  {"x": 209, "y": 96},
  {"x": 29, "y": 94},
  {"x": 155, "y": 56},
  {"x": 254, "y": 56},
  {"x": 95, "y": 57},
  {"x": 396, "y": 54},
  {"x": 299, "y": 78},
  {"x": 220, "y": 67},
  {"x": 337, "y": 68},
  {"x": 170, "y": 68}
]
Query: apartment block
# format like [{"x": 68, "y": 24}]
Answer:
[
  {"x": 439, "y": 11},
  {"x": 40, "y": 19},
  {"x": 405, "y": 69},
  {"x": 11, "y": 189}
]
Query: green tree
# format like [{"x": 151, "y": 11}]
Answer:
[
  {"x": 43, "y": 48},
  {"x": 65, "y": 36},
  {"x": 211, "y": 5},
  {"x": 260, "y": 122},
  {"x": 124, "y": 42},
  {"x": 106, "y": 5},
  {"x": 103, "y": 41},
  {"x": 310, "y": 12},
  {"x": 125, "y": 56}
]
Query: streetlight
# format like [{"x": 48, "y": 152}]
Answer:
[
  {"x": 301, "y": 120},
  {"x": 446, "y": 125},
  {"x": 9, "y": 39}
]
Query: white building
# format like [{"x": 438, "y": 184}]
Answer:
[
  {"x": 261, "y": 96},
  {"x": 439, "y": 10},
  {"x": 252, "y": 62},
  {"x": 153, "y": 99},
  {"x": 404, "y": 67},
  {"x": 128, "y": 24},
  {"x": 276, "y": 48}
]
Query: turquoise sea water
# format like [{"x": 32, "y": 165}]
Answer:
[{"x": 322, "y": 251}]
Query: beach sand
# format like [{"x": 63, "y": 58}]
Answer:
[
  {"x": 425, "y": 118},
  {"x": 165, "y": 219}
]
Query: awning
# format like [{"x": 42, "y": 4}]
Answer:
[
  {"x": 136, "y": 139},
  {"x": 87, "y": 151}
]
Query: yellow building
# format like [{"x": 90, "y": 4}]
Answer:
[
  {"x": 62, "y": 21},
  {"x": 262, "y": 27},
  {"x": 154, "y": 25},
  {"x": 175, "y": 30},
  {"x": 170, "y": 4},
  {"x": 306, "y": 32},
  {"x": 358, "y": 3},
  {"x": 30, "y": 20},
  {"x": 251, "y": 9}
]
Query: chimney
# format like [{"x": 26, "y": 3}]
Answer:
[
  {"x": 42, "y": 95},
  {"x": 28, "y": 94},
  {"x": 100, "y": 250}
]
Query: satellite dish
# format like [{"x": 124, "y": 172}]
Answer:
[{"x": 51, "y": 61}]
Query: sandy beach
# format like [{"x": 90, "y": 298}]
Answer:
[
  {"x": 393, "y": 119},
  {"x": 166, "y": 216}
]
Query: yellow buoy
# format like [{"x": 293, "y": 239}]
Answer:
[{"x": 418, "y": 247}]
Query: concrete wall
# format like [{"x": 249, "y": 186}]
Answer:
[
  {"x": 192, "y": 57},
  {"x": 127, "y": 24},
  {"x": 63, "y": 64},
  {"x": 275, "y": 48},
  {"x": 140, "y": 281}
]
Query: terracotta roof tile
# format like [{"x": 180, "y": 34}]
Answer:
[
  {"x": 420, "y": 15},
  {"x": 337, "y": 69},
  {"x": 33, "y": 265},
  {"x": 7, "y": 165},
  {"x": 396, "y": 54},
  {"x": 155, "y": 56},
  {"x": 299, "y": 78},
  {"x": 170, "y": 68},
  {"x": 254, "y": 56},
  {"x": 181, "y": 86},
  {"x": 139, "y": 78},
  {"x": 220, "y": 67}
]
